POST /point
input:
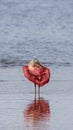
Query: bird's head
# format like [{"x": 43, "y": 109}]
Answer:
[{"x": 35, "y": 61}]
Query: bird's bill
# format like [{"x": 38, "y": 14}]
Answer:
[{"x": 41, "y": 65}]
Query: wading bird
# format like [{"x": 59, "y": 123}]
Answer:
[{"x": 37, "y": 73}]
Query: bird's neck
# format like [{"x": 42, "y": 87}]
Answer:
[{"x": 30, "y": 66}]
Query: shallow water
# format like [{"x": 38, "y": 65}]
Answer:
[{"x": 18, "y": 109}]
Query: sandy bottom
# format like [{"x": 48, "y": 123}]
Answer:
[{"x": 20, "y": 111}]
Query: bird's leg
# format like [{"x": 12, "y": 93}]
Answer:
[
  {"x": 35, "y": 86},
  {"x": 39, "y": 91},
  {"x": 39, "y": 88},
  {"x": 35, "y": 97},
  {"x": 35, "y": 91}
]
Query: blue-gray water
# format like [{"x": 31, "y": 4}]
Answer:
[{"x": 43, "y": 29}]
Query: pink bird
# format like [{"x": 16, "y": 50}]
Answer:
[{"x": 37, "y": 73}]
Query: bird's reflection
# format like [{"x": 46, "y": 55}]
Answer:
[{"x": 38, "y": 110}]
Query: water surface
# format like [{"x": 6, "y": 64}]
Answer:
[
  {"x": 43, "y": 29},
  {"x": 18, "y": 109}
]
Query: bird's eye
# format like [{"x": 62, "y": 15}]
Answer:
[{"x": 35, "y": 61}]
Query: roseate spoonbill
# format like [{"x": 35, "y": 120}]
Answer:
[{"x": 37, "y": 73}]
